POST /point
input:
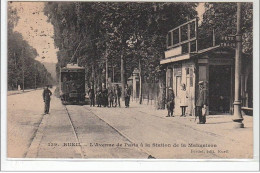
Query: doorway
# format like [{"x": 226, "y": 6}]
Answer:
[{"x": 219, "y": 89}]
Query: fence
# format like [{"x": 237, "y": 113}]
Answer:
[{"x": 152, "y": 94}]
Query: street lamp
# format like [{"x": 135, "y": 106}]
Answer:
[{"x": 237, "y": 116}]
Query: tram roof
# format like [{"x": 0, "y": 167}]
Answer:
[{"x": 73, "y": 66}]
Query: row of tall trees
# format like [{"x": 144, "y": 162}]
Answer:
[
  {"x": 23, "y": 69},
  {"x": 127, "y": 34},
  {"x": 133, "y": 34},
  {"x": 222, "y": 18}
]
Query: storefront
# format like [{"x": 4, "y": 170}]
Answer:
[
  {"x": 214, "y": 66},
  {"x": 186, "y": 65}
]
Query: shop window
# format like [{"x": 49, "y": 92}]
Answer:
[
  {"x": 178, "y": 85},
  {"x": 187, "y": 71},
  {"x": 169, "y": 77},
  {"x": 191, "y": 77}
]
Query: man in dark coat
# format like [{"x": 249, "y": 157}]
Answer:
[
  {"x": 47, "y": 99},
  {"x": 105, "y": 96},
  {"x": 127, "y": 96},
  {"x": 99, "y": 97},
  {"x": 117, "y": 95},
  {"x": 170, "y": 103},
  {"x": 201, "y": 102},
  {"x": 91, "y": 94}
]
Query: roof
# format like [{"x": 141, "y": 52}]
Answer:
[
  {"x": 187, "y": 56},
  {"x": 73, "y": 66}
]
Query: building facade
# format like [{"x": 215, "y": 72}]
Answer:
[{"x": 186, "y": 65}]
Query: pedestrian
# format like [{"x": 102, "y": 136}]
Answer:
[
  {"x": 117, "y": 95},
  {"x": 170, "y": 103},
  {"x": 183, "y": 100},
  {"x": 127, "y": 96},
  {"x": 110, "y": 98},
  {"x": 105, "y": 96},
  {"x": 47, "y": 99},
  {"x": 99, "y": 97},
  {"x": 91, "y": 95},
  {"x": 201, "y": 103}
]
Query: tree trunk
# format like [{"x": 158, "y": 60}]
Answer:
[
  {"x": 22, "y": 67},
  {"x": 93, "y": 75},
  {"x": 106, "y": 83},
  {"x": 122, "y": 76},
  {"x": 162, "y": 95},
  {"x": 140, "y": 79}
]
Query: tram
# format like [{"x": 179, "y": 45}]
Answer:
[{"x": 72, "y": 85}]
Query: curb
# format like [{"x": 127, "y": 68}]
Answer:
[{"x": 34, "y": 147}]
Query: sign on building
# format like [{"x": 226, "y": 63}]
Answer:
[{"x": 228, "y": 41}]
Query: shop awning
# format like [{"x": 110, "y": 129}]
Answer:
[
  {"x": 175, "y": 58},
  {"x": 171, "y": 57}
]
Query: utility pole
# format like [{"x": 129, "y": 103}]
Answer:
[
  {"x": 237, "y": 116},
  {"x": 214, "y": 38}
]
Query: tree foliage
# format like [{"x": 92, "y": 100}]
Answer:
[
  {"x": 22, "y": 65},
  {"x": 98, "y": 30},
  {"x": 222, "y": 17}
]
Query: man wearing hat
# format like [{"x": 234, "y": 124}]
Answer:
[
  {"x": 170, "y": 103},
  {"x": 127, "y": 96},
  {"x": 201, "y": 102},
  {"x": 46, "y": 98}
]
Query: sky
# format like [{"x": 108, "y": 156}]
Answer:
[
  {"x": 200, "y": 9},
  {"x": 38, "y": 32}
]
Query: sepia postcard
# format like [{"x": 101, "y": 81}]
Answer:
[{"x": 102, "y": 80}]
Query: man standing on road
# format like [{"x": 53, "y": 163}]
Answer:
[
  {"x": 201, "y": 102},
  {"x": 47, "y": 99},
  {"x": 117, "y": 95},
  {"x": 170, "y": 103},
  {"x": 91, "y": 95},
  {"x": 105, "y": 96},
  {"x": 99, "y": 97},
  {"x": 127, "y": 96}
]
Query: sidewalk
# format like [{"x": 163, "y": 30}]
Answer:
[
  {"x": 13, "y": 92},
  {"x": 219, "y": 125},
  {"x": 144, "y": 124}
]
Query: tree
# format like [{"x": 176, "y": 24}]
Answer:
[
  {"x": 22, "y": 66},
  {"x": 222, "y": 18},
  {"x": 122, "y": 32}
]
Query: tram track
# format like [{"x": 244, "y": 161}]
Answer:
[
  {"x": 75, "y": 133},
  {"x": 92, "y": 113},
  {"x": 145, "y": 114},
  {"x": 149, "y": 156}
]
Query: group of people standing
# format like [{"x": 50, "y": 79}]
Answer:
[
  {"x": 108, "y": 97},
  {"x": 201, "y": 103}
]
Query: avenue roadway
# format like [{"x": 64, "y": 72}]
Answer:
[{"x": 140, "y": 131}]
